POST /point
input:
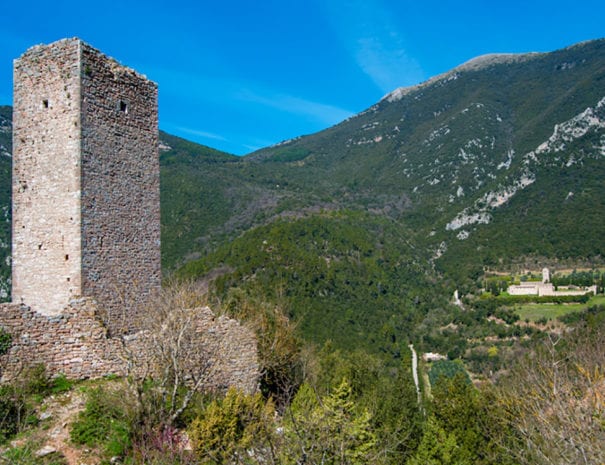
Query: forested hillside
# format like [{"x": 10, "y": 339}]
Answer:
[
  {"x": 503, "y": 140},
  {"x": 363, "y": 231}
]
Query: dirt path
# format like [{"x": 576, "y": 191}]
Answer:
[
  {"x": 415, "y": 372},
  {"x": 60, "y": 411}
]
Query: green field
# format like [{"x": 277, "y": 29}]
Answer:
[{"x": 534, "y": 312}]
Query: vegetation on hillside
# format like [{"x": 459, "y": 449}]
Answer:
[
  {"x": 348, "y": 407},
  {"x": 355, "y": 271}
]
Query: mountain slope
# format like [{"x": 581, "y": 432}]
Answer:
[
  {"x": 450, "y": 144},
  {"x": 499, "y": 160},
  {"x": 348, "y": 277},
  {"x": 552, "y": 205}
]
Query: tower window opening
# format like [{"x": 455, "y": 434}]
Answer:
[
  {"x": 123, "y": 106},
  {"x": 45, "y": 103},
  {"x": 66, "y": 257}
]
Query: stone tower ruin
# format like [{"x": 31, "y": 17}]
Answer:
[{"x": 86, "y": 199}]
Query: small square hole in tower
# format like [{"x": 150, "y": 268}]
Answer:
[
  {"x": 45, "y": 103},
  {"x": 123, "y": 106}
]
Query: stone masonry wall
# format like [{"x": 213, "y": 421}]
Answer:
[
  {"x": 216, "y": 349},
  {"x": 236, "y": 355},
  {"x": 46, "y": 177},
  {"x": 76, "y": 344},
  {"x": 86, "y": 197},
  {"x": 73, "y": 342},
  {"x": 120, "y": 189}
]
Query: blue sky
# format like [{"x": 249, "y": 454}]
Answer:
[{"x": 240, "y": 75}]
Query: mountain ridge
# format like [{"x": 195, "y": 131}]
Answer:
[
  {"x": 474, "y": 64},
  {"x": 501, "y": 111}
]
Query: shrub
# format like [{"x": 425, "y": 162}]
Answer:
[
  {"x": 61, "y": 384},
  {"x": 35, "y": 381},
  {"x": 328, "y": 430},
  {"x": 16, "y": 411},
  {"x": 231, "y": 426},
  {"x": 106, "y": 422},
  {"x": 11, "y": 411},
  {"x": 161, "y": 446},
  {"x": 6, "y": 341},
  {"x": 448, "y": 369}
]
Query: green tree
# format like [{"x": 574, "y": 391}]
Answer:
[
  {"x": 466, "y": 426},
  {"x": 456, "y": 407},
  {"x": 437, "y": 447},
  {"x": 236, "y": 429},
  {"x": 387, "y": 391},
  {"x": 329, "y": 430},
  {"x": 447, "y": 369}
]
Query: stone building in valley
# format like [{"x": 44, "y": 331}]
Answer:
[{"x": 546, "y": 288}]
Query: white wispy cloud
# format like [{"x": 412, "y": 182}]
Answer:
[
  {"x": 369, "y": 34},
  {"x": 386, "y": 64},
  {"x": 320, "y": 112},
  {"x": 209, "y": 100},
  {"x": 198, "y": 133},
  {"x": 231, "y": 91}
]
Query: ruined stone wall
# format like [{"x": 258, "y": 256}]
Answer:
[
  {"x": 46, "y": 177},
  {"x": 217, "y": 349},
  {"x": 234, "y": 360},
  {"x": 120, "y": 189},
  {"x": 75, "y": 343}
]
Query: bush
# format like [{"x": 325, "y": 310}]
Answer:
[
  {"x": 447, "y": 369},
  {"x": 231, "y": 426},
  {"x": 106, "y": 422},
  {"x": 11, "y": 411},
  {"x": 510, "y": 300},
  {"x": 592, "y": 316},
  {"x": 6, "y": 341},
  {"x": 35, "y": 381},
  {"x": 16, "y": 411},
  {"x": 61, "y": 384},
  {"x": 161, "y": 446}
]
